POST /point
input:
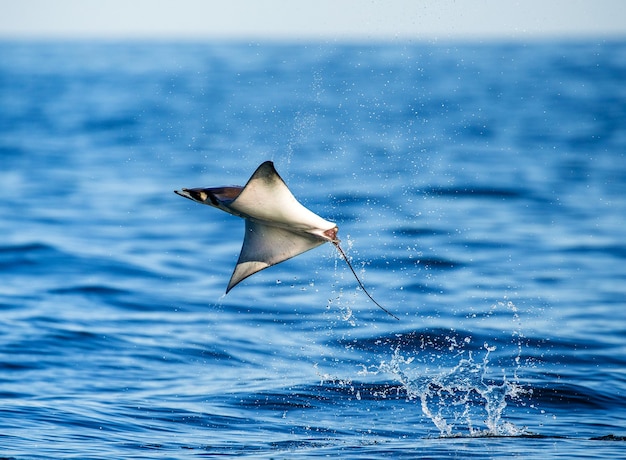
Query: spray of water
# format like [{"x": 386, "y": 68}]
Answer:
[
  {"x": 456, "y": 388},
  {"x": 460, "y": 396}
]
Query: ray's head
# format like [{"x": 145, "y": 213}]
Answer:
[
  {"x": 194, "y": 194},
  {"x": 218, "y": 197}
]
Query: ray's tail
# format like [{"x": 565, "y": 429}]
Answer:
[{"x": 343, "y": 255}]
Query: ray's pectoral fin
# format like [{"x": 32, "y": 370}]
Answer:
[{"x": 266, "y": 245}]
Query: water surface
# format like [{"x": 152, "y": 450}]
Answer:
[{"x": 480, "y": 190}]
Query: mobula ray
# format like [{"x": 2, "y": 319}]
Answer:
[{"x": 278, "y": 227}]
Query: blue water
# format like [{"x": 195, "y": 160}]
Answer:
[{"x": 479, "y": 189}]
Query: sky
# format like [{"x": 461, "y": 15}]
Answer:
[{"x": 312, "y": 20}]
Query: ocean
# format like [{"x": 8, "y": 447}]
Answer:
[{"x": 480, "y": 194}]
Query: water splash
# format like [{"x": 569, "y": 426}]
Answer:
[
  {"x": 461, "y": 395},
  {"x": 456, "y": 387}
]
